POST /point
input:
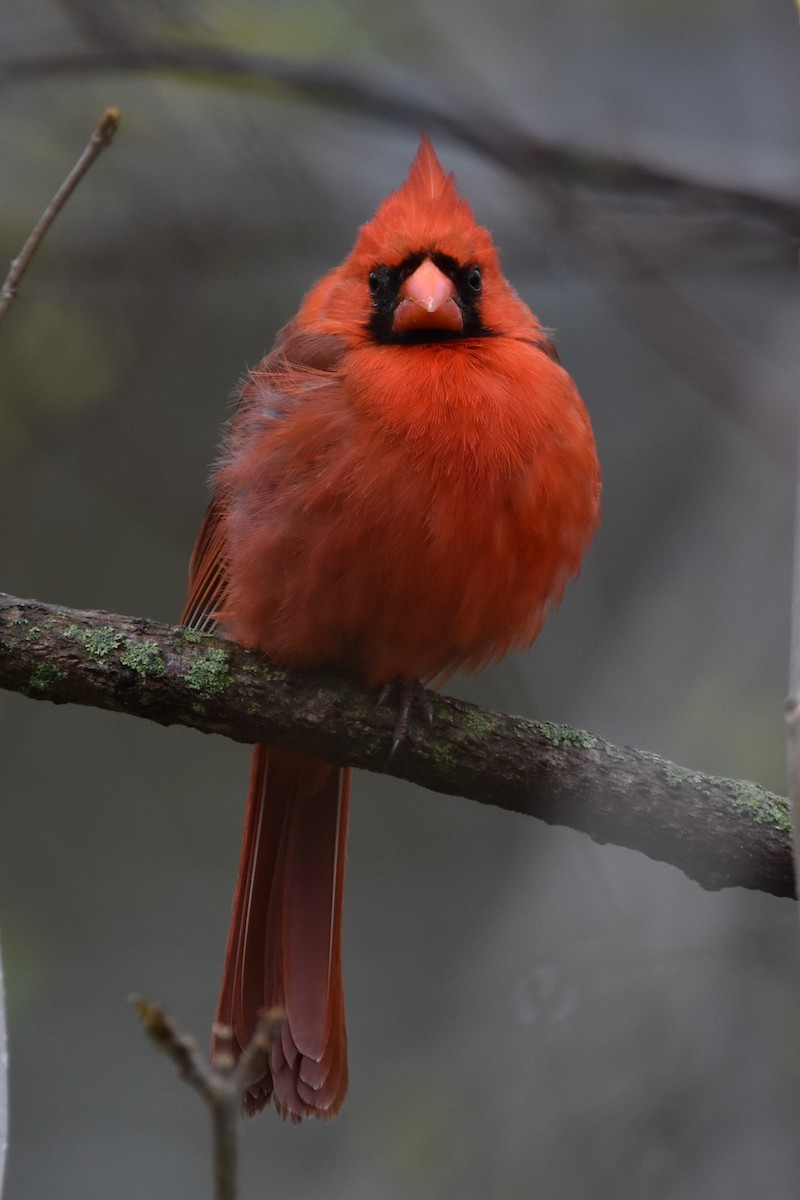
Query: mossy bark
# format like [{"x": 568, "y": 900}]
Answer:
[{"x": 719, "y": 832}]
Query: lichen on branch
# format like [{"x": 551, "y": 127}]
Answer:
[{"x": 719, "y": 832}]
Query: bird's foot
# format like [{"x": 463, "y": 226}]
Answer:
[{"x": 406, "y": 692}]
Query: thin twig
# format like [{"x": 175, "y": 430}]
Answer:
[
  {"x": 217, "y": 1086},
  {"x": 102, "y": 137},
  {"x": 225, "y": 1099},
  {"x": 163, "y": 1031},
  {"x": 793, "y": 700},
  {"x": 222, "y": 1085}
]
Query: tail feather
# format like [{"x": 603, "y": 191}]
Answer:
[{"x": 284, "y": 946}]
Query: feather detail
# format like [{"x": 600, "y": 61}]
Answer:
[
  {"x": 208, "y": 582},
  {"x": 284, "y": 946}
]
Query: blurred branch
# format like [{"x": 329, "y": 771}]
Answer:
[
  {"x": 100, "y": 24},
  {"x": 793, "y": 700},
  {"x": 417, "y": 104},
  {"x": 223, "y": 1085},
  {"x": 563, "y": 177},
  {"x": 102, "y": 137},
  {"x": 719, "y": 832}
]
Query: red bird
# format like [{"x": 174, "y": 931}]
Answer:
[{"x": 408, "y": 482}]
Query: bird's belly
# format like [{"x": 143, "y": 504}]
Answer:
[{"x": 408, "y": 576}]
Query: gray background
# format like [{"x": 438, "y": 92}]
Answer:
[{"x": 529, "y": 1013}]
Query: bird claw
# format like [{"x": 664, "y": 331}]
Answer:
[{"x": 408, "y": 691}]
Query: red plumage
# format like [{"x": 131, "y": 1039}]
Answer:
[{"x": 407, "y": 484}]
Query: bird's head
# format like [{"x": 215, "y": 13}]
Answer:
[{"x": 423, "y": 270}]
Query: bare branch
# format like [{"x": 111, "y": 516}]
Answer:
[
  {"x": 102, "y": 137},
  {"x": 218, "y": 1087},
  {"x": 562, "y": 176},
  {"x": 418, "y": 104},
  {"x": 164, "y": 1033},
  {"x": 793, "y": 700},
  {"x": 720, "y": 832},
  {"x": 223, "y": 1085}
]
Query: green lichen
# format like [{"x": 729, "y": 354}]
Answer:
[
  {"x": 765, "y": 808},
  {"x": 209, "y": 674},
  {"x": 102, "y": 642},
  {"x": 145, "y": 659},
  {"x": 75, "y": 632},
  {"x": 479, "y": 726},
  {"x": 45, "y": 677},
  {"x": 33, "y": 634},
  {"x": 680, "y": 777},
  {"x": 675, "y": 776},
  {"x": 444, "y": 757},
  {"x": 260, "y": 669},
  {"x": 615, "y": 754},
  {"x": 751, "y": 801},
  {"x": 193, "y": 636},
  {"x": 565, "y": 737}
]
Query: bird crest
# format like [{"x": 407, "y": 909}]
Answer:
[{"x": 425, "y": 211}]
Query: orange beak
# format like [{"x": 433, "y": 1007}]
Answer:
[{"x": 427, "y": 301}]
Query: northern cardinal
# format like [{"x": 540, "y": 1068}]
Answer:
[{"x": 408, "y": 482}]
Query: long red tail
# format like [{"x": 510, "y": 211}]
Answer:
[{"x": 284, "y": 946}]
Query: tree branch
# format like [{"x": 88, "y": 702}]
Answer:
[
  {"x": 562, "y": 176},
  {"x": 222, "y": 1085},
  {"x": 719, "y": 832},
  {"x": 793, "y": 699},
  {"x": 102, "y": 136},
  {"x": 420, "y": 105}
]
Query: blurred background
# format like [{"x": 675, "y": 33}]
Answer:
[{"x": 529, "y": 1013}]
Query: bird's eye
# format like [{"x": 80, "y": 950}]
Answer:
[
  {"x": 475, "y": 280},
  {"x": 374, "y": 283}
]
